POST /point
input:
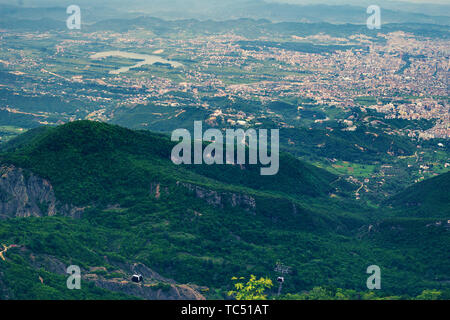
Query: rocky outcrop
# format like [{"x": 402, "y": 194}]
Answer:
[
  {"x": 221, "y": 199},
  {"x": 156, "y": 190},
  {"x": 47, "y": 262},
  {"x": 154, "y": 286},
  {"x": 23, "y": 194},
  {"x": 151, "y": 291}
]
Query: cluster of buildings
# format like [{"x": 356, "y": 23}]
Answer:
[{"x": 410, "y": 72}]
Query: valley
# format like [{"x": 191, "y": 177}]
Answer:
[
  {"x": 88, "y": 177},
  {"x": 231, "y": 81}
]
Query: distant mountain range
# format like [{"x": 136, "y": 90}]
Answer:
[
  {"x": 331, "y": 12},
  {"x": 246, "y": 27}
]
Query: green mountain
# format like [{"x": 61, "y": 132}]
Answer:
[
  {"x": 429, "y": 198},
  {"x": 109, "y": 200},
  {"x": 86, "y": 154}
]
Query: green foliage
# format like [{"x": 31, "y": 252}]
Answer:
[
  {"x": 252, "y": 290},
  {"x": 19, "y": 281},
  {"x": 321, "y": 293},
  {"x": 430, "y": 295},
  {"x": 89, "y": 162},
  {"x": 165, "y": 287},
  {"x": 112, "y": 172},
  {"x": 429, "y": 198}
]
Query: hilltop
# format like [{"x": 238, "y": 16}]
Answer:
[
  {"x": 429, "y": 198},
  {"x": 91, "y": 161}
]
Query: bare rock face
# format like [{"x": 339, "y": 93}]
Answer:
[
  {"x": 149, "y": 289},
  {"x": 24, "y": 195},
  {"x": 221, "y": 199},
  {"x": 154, "y": 286},
  {"x": 151, "y": 292}
]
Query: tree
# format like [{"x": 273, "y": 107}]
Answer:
[
  {"x": 429, "y": 295},
  {"x": 252, "y": 290}
]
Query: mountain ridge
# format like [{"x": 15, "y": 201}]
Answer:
[{"x": 196, "y": 230}]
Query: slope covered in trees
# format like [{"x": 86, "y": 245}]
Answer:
[
  {"x": 429, "y": 198},
  {"x": 204, "y": 224}
]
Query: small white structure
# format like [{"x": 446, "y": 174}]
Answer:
[{"x": 137, "y": 278}]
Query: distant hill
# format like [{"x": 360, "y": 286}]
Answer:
[
  {"x": 429, "y": 198},
  {"x": 270, "y": 20},
  {"x": 339, "y": 13},
  {"x": 253, "y": 28}
]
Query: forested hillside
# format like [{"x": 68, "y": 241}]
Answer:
[{"x": 122, "y": 205}]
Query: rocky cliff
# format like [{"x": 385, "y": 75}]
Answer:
[
  {"x": 154, "y": 286},
  {"x": 221, "y": 199},
  {"x": 23, "y": 194}
]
